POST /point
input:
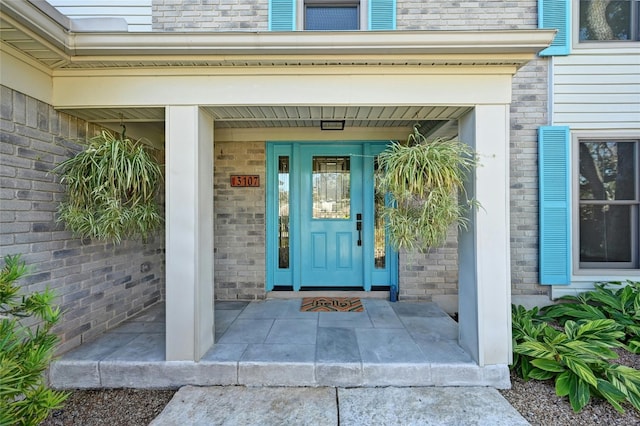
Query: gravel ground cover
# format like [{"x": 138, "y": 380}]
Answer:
[
  {"x": 536, "y": 401},
  {"x": 114, "y": 407}
]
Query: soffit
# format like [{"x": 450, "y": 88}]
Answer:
[
  {"x": 431, "y": 118},
  {"x": 33, "y": 30}
]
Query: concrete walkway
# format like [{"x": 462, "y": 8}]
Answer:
[{"x": 328, "y": 406}]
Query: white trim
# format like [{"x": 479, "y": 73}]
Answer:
[
  {"x": 580, "y": 287},
  {"x": 273, "y": 89},
  {"x": 333, "y": 42},
  {"x": 551, "y": 90},
  {"x": 189, "y": 233},
  {"x": 22, "y": 73},
  {"x": 484, "y": 266}
]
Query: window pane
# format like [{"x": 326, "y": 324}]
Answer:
[
  {"x": 331, "y": 18},
  {"x": 607, "y": 170},
  {"x": 602, "y": 20},
  {"x": 380, "y": 247},
  {"x": 331, "y": 188},
  {"x": 605, "y": 233},
  {"x": 283, "y": 212}
]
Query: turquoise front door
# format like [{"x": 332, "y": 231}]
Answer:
[
  {"x": 331, "y": 216},
  {"x": 324, "y": 224}
]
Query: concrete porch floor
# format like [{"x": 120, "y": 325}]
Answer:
[{"x": 272, "y": 343}]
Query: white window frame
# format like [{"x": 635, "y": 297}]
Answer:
[
  {"x": 363, "y": 10},
  {"x": 594, "y": 274},
  {"x": 598, "y": 44}
]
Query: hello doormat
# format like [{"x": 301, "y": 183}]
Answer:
[{"x": 331, "y": 304}]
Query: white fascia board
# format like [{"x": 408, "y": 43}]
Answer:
[
  {"x": 40, "y": 18},
  {"x": 302, "y": 43},
  {"x": 103, "y": 48}
]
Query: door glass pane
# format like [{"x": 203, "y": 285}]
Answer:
[
  {"x": 605, "y": 233},
  {"x": 283, "y": 212},
  {"x": 607, "y": 170},
  {"x": 380, "y": 249},
  {"x": 331, "y": 188}
]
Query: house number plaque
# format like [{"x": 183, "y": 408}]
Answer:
[{"x": 245, "y": 180}]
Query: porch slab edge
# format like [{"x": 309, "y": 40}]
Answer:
[{"x": 75, "y": 374}]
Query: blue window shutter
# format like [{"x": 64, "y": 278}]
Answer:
[
  {"x": 555, "y": 202},
  {"x": 556, "y": 14},
  {"x": 282, "y": 15},
  {"x": 382, "y": 14}
]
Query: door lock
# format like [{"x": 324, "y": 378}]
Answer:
[{"x": 359, "y": 227}]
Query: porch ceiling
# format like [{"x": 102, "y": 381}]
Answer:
[{"x": 431, "y": 118}]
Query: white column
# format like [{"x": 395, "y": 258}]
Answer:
[
  {"x": 484, "y": 249},
  {"x": 189, "y": 233}
]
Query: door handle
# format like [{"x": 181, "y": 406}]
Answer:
[{"x": 359, "y": 227}]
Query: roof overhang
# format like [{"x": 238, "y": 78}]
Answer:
[
  {"x": 34, "y": 33},
  {"x": 40, "y": 32}
]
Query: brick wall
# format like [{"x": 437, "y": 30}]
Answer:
[
  {"x": 528, "y": 112},
  {"x": 239, "y": 227},
  {"x": 424, "y": 275},
  {"x": 466, "y": 15},
  {"x": 210, "y": 15},
  {"x": 98, "y": 284}
]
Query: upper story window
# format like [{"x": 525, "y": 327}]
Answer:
[
  {"x": 331, "y": 15},
  {"x": 607, "y": 20}
]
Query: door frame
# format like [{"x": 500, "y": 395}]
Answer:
[{"x": 289, "y": 278}]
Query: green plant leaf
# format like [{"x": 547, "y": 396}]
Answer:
[
  {"x": 606, "y": 297},
  {"x": 563, "y": 383},
  {"x": 539, "y": 374},
  {"x": 566, "y": 311},
  {"x": 633, "y": 345},
  {"x": 580, "y": 369},
  {"x": 611, "y": 394},
  {"x": 549, "y": 365},
  {"x": 535, "y": 350},
  {"x": 579, "y": 394}
]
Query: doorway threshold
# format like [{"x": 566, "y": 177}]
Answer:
[{"x": 327, "y": 293}]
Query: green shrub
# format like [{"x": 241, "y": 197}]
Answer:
[
  {"x": 620, "y": 304},
  {"x": 576, "y": 357},
  {"x": 25, "y": 352}
]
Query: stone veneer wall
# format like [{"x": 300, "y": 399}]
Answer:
[
  {"x": 239, "y": 222},
  {"x": 98, "y": 284}
]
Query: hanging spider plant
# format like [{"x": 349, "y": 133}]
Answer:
[
  {"x": 111, "y": 187},
  {"x": 425, "y": 180}
]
